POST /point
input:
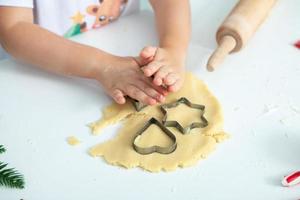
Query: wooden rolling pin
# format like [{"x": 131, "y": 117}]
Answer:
[{"x": 238, "y": 28}]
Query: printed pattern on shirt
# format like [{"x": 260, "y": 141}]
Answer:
[{"x": 104, "y": 12}]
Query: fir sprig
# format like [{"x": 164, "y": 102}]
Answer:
[
  {"x": 2, "y": 149},
  {"x": 9, "y": 177}
]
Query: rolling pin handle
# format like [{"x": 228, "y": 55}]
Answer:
[{"x": 226, "y": 45}]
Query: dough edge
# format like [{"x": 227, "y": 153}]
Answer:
[{"x": 215, "y": 136}]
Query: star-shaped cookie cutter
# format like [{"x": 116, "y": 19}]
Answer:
[
  {"x": 155, "y": 148},
  {"x": 137, "y": 105},
  {"x": 176, "y": 124}
]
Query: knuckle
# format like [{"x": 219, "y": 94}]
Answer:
[
  {"x": 159, "y": 74},
  {"x": 143, "y": 86},
  {"x": 151, "y": 66},
  {"x": 116, "y": 92},
  {"x": 165, "y": 69},
  {"x": 135, "y": 93},
  {"x": 148, "y": 48},
  {"x": 150, "y": 91},
  {"x": 129, "y": 89}
]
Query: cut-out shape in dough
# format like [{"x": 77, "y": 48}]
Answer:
[{"x": 190, "y": 148}]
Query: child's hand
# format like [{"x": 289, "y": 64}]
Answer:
[
  {"x": 165, "y": 65},
  {"x": 125, "y": 78}
]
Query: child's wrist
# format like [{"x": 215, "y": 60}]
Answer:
[
  {"x": 176, "y": 51},
  {"x": 99, "y": 63},
  {"x": 176, "y": 45},
  {"x": 177, "y": 54},
  {"x": 104, "y": 62}
]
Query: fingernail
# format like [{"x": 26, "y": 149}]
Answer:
[
  {"x": 171, "y": 89},
  {"x": 122, "y": 101},
  {"x": 157, "y": 82},
  {"x": 165, "y": 92},
  {"x": 147, "y": 72},
  {"x": 161, "y": 98},
  {"x": 152, "y": 102}
]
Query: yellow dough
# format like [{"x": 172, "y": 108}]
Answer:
[
  {"x": 190, "y": 147},
  {"x": 73, "y": 141}
]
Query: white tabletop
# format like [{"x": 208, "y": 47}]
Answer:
[{"x": 258, "y": 89}]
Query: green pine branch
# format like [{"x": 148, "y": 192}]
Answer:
[
  {"x": 9, "y": 177},
  {"x": 2, "y": 149}
]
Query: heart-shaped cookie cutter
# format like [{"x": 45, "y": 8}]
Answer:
[
  {"x": 155, "y": 148},
  {"x": 176, "y": 124}
]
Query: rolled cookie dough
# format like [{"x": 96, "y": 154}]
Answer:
[
  {"x": 190, "y": 148},
  {"x": 73, "y": 141}
]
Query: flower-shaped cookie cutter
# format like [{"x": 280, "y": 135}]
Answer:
[
  {"x": 155, "y": 148},
  {"x": 183, "y": 130}
]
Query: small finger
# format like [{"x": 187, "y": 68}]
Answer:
[
  {"x": 149, "y": 89},
  {"x": 171, "y": 78},
  {"x": 154, "y": 94},
  {"x": 118, "y": 96},
  {"x": 148, "y": 52},
  {"x": 146, "y": 56},
  {"x": 162, "y": 90},
  {"x": 176, "y": 86},
  {"x": 160, "y": 75},
  {"x": 139, "y": 95},
  {"x": 151, "y": 68}
]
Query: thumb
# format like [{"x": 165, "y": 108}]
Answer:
[
  {"x": 148, "y": 52},
  {"x": 147, "y": 55},
  {"x": 142, "y": 61}
]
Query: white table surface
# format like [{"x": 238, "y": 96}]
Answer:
[{"x": 258, "y": 88}]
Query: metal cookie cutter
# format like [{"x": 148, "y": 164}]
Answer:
[
  {"x": 137, "y": 105},
  {"x": 175, "y": 124},
  {"x": 153, "y": 149}
]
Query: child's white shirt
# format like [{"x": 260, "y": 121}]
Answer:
[{"x": 71, "y": 17}]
